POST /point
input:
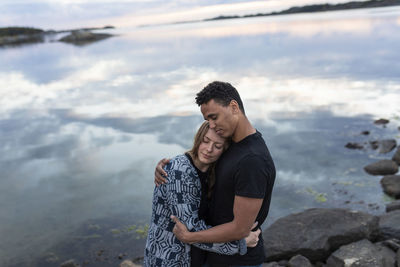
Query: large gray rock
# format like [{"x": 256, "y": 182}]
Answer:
[
  {"x": 389, "y": 256},
  {"x": 391, "y": 185},
  {"x": 389, "y": 225},
  {"x": 396, "y": 156},
  {"x": 299, "y": 261},
  {"x": 315, "y": 233},
  {"x": 395, "y": 205},
  {"x": 382, "y": 167},
  {"x": 387, "y": 145},
  {"x": 398, "y": 258},
  {"x": 393, "y": 244},
  {"x": 359, "y": 254}
]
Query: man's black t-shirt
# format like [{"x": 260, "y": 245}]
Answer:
[{"x": 246, "y": 169}]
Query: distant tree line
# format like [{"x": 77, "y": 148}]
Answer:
[
  {"x": 14, "y": 31},
  {"x": 319, "y": 8}
]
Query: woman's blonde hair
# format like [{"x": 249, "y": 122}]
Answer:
[{"x": 198, "y": 138}]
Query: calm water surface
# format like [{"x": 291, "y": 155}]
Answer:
[{"x": 81, "y": 128}]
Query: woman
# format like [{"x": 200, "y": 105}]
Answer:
[{"x": 181, "y": 196}]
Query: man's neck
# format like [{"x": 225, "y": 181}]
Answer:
[{"x": 243, "y": 129}]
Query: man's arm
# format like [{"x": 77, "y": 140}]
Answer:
[
  {"x": 160, "y": 173},
  {"x": 245, "y": 211},
  {"x": 180, "y": 199}
]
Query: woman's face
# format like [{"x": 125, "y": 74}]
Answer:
[{"x": 211, "y": 147}]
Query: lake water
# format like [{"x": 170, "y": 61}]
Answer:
[{"x": 82, "y": 128}]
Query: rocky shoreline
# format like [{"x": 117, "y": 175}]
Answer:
[
  {"x": 17, "y": 36},
  {"x": 331, "y": 237},
  {"x": 343, "y": 237}
]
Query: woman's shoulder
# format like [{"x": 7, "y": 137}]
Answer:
[{"x": 180, "y": 162}]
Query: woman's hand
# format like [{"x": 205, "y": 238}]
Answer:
[
  {"x": 252, "y": 238},
  {"x": 160, "y": 174},
  {"x": 180, "y": 230}
]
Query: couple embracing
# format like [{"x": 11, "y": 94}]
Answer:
[{"x": 209, "y": 203}]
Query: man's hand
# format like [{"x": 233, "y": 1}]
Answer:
[
  {"x": 180, "y": 230},
  {"x": 160, "y": 174},
  {"x": 252, "y": 238}
]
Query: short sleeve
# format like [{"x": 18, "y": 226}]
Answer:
[{"x": 251, "y": 178}]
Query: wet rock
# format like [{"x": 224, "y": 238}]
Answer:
[
  {"x": 395, "y": 205},
  {"x": 362, "y": 253},
  {"x": 121, "y": 256},
  {"x": 389, "y": 225},
  {"x": 374, "y": 144},
  {"x": 389, "y": 256},
  {"x": 382, "y": 167},
  {"x": 283, "y": 262},
  {"x": 391, "y": 185},
  {"x": 354, "y": 146},
  {"x": 69, "y": 263},
  {"x": 387, "y": 145},
  {"x": 398, "y": 258},
  {"x": 128, "y": 263},
  {"x": 396, "y": 156},
  {"x": 381, "y": 122},
  {"x": 83, "y": 37},
  {"x": 271, "y": 264},
  {"x": 314, "y": 233},
  {"x": 393, "y": 244},
  {"x": 299, "y": 261}
]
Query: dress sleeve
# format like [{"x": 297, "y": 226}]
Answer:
[{"x": 183, "y": 200}]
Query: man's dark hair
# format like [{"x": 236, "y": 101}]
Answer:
[{"x": 222, "y": 93}]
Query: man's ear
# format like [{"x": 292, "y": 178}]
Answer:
[{"x": 234, "y": 106}]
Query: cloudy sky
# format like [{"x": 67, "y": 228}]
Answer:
[{"x": 49, "y": 14}]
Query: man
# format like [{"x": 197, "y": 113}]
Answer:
[{"x": 245, "y": 176}]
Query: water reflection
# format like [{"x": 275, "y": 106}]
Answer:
[{"x": 82, "y": 128}]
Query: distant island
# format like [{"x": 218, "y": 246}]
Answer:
[
  {"x": 16, "y": 36},
  {"x": 318, "y": 8}
]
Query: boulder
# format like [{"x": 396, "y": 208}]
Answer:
[
  {"x": 387, "y": 145},
  {"x": 299, "y": 261},
  {"x": 389, "y": 225},
  {"x": 389, "y": 256},
  {"x": 396, "y": 156},
  {"x": 398, "y": 258},
  {"x": 362, "y": 253},
  {"x": 395, "y": 205},
  {"x": 382, "y": 167},
  {"x": 393, "y": 244},
  {"x": 315, "y": 233},
  {"x": 391, "y": 185}
]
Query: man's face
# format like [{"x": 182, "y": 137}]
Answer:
[{"x": 221, "y": 119}]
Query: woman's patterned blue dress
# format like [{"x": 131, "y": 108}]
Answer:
[{"x": 180, "y": 196}]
